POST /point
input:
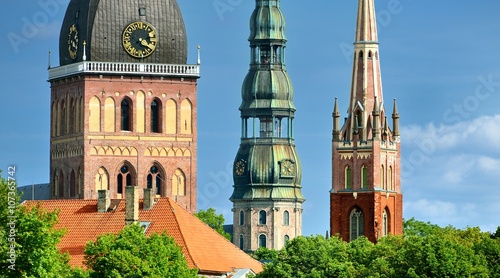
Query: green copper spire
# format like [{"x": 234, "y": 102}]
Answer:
[{"x": 267, "y": 171}]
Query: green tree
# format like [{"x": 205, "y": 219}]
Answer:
[
  {"x": 28, "y": 236},
  {"x": 131, "y": 253},
  {"x": 214, "y": 220},
  {"x": 264, "y": 254}
]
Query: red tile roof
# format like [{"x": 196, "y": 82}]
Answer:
[{"x": 204, "y": 248}]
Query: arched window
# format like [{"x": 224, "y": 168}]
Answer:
[
  {"x": 242, "y": 218},
  {"x": 348, "y": 177},
  {"x": 124, "y": 178},
  {"x": 109, "y": 115},
  {"x": 286, "y": 239},
  {"x": 126, "y": 115},
  {"x": 364, "y": 176},
  {"x": 263, "y": 241},
  {"x": 382, "y": 175},
  {"x": 389, "y": 179},
  {"x": 186, "y": 120},
  {"x": 370, "y": 54},
  {"x": 94, "y": 115},
  {"x": 262, "y": 217},
  {"x": 72, "y": 185},
  {"x": 171, "y": 117},
  {"x": 140, "y": 112},
  {"x": 63, "y": 117},
  {"x": 155, "y": 116},
  {"x": 242, "y": 242},
  {"x": 60, "y": 186},
  {"x": 101, "y": 179},
  {"x": 155, "y": 180},
  {"x": 286, "y": 218},
  {"x": 178, "y": 183},
  {"x": 361, "y": 54},
  {"x": 55, "y": 185},
  {"x": 356, "y": 224},
  {"x": 385, "y": 223}
]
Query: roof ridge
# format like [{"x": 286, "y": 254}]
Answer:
[{"x": 171, "y": 202}]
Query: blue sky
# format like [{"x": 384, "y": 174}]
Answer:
[{"x": 440, "y": 59}]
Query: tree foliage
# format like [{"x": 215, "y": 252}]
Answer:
[
  {"x": 131, "y": 253},
  {"x": 214, "y": 220},
  {"x": 425, "y": 250},
  {"x": 28, "y": 246}
]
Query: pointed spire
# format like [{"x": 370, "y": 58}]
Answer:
[
  {"x": 395, "y": 120},
  {"x": 336, "y": 121},
  {"x": 366, "y": 30}
]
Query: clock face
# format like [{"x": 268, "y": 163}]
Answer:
[
  {"x": 239, "y": 167},
  {"x": 73, "y": 41},
  {"x": 287, "y": 168},
  {"x": 139, "y": 39}
]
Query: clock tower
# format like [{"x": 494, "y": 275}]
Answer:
[
  {"x": 267, "y": 198},
  {"x": 366, "y": 197},
  {"x": 123, "y": 102}
]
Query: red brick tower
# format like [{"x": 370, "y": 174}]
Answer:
[
  {"x": 123, "y": 102},
  {"x": 366, "y": 197}
]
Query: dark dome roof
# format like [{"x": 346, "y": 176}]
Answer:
[{"x": 101, "y": 25}]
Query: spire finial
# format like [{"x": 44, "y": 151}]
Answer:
[
  {"x": 84, "y": 51},
  {"x": 336, "y": 121},
  {"x": 366, "y": 27},
  {"x": 199, "y": 55},
  {"x": 395, "y": 121},
  {"x": 49, "y": 60}
]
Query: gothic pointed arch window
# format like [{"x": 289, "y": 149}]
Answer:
[
  {"x": 357, "y": 224},
  {"x": 348, "y": 177},
  {"x": 156, "y": 116},
  {"x": 361, "y": 54},
  {"x": 60, "y": 185},
  {"x": 385, "y": 222},
  {"x": 72, "y": 184},
  {"x": 286, "y": 218},
  {"x": 382, "y": 177},
  {"x": 63, "y": 118},
  {"x": 109, "y": 115},
  {"x": 155, "y": 179},
  {"x": 178, "y": 183},
  {"x": 126, "y": 114},
  {"x": 263, "y": 241},
  {"x": 124, "y": 178},
  {"x": 390, "y": 180},
  {"x": 364, "y": 177},
  {"x": 286, "y": 239},
  {"x": 55, "y": 184},
  {"x": 101, "y": 179},
  {"x": 262, "y": 217}
]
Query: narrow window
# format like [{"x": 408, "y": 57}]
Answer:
[
  {"x": 286, "y": 218},
  {"x": 390, "y": 180},
  {"x": 364, "y": 177},
  {"x": 286, "y": 239},
  {"x": 126, "y": 115},
  {"x": 72, "y": 184},
  {"x": 242, "y": 242},
  {"x": 385, "y": 223},
  {"x": 178, "y": 183},
  {"x": 348, "y": 178},
  {"x": 155, "y": 117},
  {"x": 357, "y": 224},
  {"x": 242, "y": 218},
  {"x": 154, "y": 180},
  {"x": 262, "y": 217},
  {"x": 61, "y": 184},
  {"x": 124, "y": 178},
  {"x": 262, "y": 241}
]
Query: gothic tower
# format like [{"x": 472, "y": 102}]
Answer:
[
  {"x": 366, "y": 197},
  {"x": 267, "y": 198},
  {"x": 123, "y": 102}
]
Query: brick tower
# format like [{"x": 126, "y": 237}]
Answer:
[
  {"x": 123, "y": 102},
  {"x": 267, "y": 198},
  {"x": 366, "y": 197}
]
